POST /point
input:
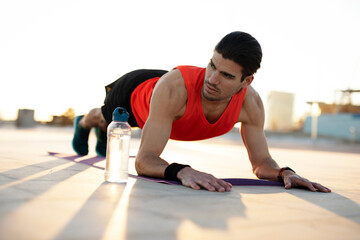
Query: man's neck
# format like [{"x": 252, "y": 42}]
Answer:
[{"x": 213, "y": 109}]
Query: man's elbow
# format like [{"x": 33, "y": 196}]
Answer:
[
  {"x": 257, "y": 172},
  {"x": 139, "y": 166},
  {"x": 143, "y": 163}
]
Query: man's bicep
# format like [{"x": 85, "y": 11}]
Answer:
[{"x": 163, "y": 111}]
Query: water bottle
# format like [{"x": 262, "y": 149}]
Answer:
[{"x": 118, "y": 145}]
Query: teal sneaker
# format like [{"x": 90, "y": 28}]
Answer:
[
  {"x": 101, "y": 142},
  {"x": 81, "y": 137}
]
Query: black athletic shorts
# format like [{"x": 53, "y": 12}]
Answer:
[{"x": 118, "y": 93}]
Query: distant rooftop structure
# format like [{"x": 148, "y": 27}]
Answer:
[
  {"x": 66, "y": 119},
  {"x": 342, "y": 103},
  {"x": 340, "y": 119},
  {"x": 345, "y": 96},
  {"x": 25, "y": 118}
]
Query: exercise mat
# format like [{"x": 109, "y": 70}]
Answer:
[{"x": 93, "y": 160}]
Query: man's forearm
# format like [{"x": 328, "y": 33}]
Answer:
[
  {"x": 150, "y": 165},
  {"x": 269, "y": 169}
]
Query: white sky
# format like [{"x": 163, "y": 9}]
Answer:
[{"x": 60, "y": 54}]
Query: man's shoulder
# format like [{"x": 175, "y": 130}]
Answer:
[
  {"x": 252, "y": 111},
  {"x": 251, "y": 96},
  {"x": 169, "y": 95},
  {"x": 189, "y": 68},
  {"x": 171, "y": 89},
  {"x": 172, "y": 80}
]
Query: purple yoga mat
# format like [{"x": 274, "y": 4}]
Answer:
[{"x": 91, "y": 161}]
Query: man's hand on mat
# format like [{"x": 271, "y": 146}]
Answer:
[
  {"x": 197, "y": 180},
  {"x": 294, "y": 180}
]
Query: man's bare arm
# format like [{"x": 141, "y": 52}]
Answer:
[
  {"x": 165, "y": 105},
  {"x": 168, "y": 103},
  {"x": 252, "y": 133}
]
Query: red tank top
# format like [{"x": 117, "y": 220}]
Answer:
[{"x": 193, "y": 124}]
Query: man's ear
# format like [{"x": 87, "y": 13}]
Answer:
[{"x": 247, "y": 81}]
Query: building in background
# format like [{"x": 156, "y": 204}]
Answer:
[
  {"x": 66, "y": 119},
  {"x": 25, "y": 118},
  {"x": 279, "y": 112},
  {"x": 340, "y": 119}
]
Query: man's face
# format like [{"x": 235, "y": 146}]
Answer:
[{"x": 222, "y": 79}]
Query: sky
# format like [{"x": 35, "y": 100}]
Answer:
[{"x": 60, "y": 54}]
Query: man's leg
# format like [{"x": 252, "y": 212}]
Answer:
[
  {"x": 82, "y": 127},
  {"x": 93, "y": 119},
  {"x": 118, "y": 94}
]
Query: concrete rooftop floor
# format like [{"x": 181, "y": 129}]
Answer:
[{"x": 44, "y": 197}]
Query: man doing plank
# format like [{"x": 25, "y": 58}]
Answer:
[{"x": 192, "y": 103}]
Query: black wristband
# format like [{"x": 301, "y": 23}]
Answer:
[
  {"x": 172, "y": 170},
  {"x": 281, "y": 170}
]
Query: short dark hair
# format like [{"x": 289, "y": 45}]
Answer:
[{"x": 243, "y": 49}]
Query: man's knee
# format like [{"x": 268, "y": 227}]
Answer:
[
  {"x": 94, "y": 118},
  {"x": 102, "y": 122}
]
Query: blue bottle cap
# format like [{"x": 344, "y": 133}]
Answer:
[{"x": 120, "y": 114}]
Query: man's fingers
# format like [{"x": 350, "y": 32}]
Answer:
[
  {"x": 310, "y": 186},
  {"x": 227, "y": 186},
  {"x": 197, "y": 180},
  {"x": 193, "y": 185},
  {"x": 303, "y": 182},
  {"x": 287, "y": 183},
  {"x": 298, "y": 182},
  {"x": 321, "y": 188},
  {"x": 222, "y": 186},
  {"x": 218, "y": 187},
  {"x": 208, "y": 186},
  {"x": 213, "y": 185}
]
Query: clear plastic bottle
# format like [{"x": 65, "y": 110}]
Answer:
[{"x": 118, "y": 145}]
